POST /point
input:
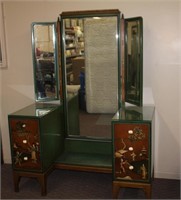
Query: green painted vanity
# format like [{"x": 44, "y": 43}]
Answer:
[
  {"x": 93, "y": 64},
  {"x": 133, "y": 148},
  {"x": 37, "y": 139}
]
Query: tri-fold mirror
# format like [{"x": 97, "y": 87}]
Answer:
[{"x": 91, "y": 65}]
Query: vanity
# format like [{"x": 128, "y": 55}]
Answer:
[
  {"x": 133, "y": 149},
  {"x": 92, "y": 62},
  {"x": 36, "y": 140}
]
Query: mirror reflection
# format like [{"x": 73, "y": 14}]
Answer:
[
  {"x": 45, "y": 64},
  {"x": 91, "y": 74},
  {"x": 134, "y": 65}
]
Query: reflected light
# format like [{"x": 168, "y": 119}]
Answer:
[{"x": 96, "y": 18}]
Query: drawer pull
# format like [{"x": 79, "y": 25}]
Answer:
[
  {"x": 25, "y": 158},
  {"x": 130, "y": 132},
  {"x": 23, "y": 125},
  {"x": 130, "y": 148},
  {"x": 24, "y": 141},
  {"x": 131, "y": 167}
]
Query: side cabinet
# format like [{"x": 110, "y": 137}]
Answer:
[
  {"x": 133, "y": 133},
  {"x": 36, "y": 135}
]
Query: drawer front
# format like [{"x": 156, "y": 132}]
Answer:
[
  {"x": 132, "y": 152},
  {"x": 25, "y": 143}
]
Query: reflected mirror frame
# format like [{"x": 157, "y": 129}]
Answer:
[
  {"x": 134, "y": 100},
  {"x": 56, "y": 97},
  {"x": 80, "y": 15}
]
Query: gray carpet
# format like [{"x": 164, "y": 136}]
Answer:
[{"x": 64, "y": 184}]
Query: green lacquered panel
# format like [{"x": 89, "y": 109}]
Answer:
[
  {"x": 88, "y": 146},
  {"x": 85, "y": 159},
  {"x": 134, "y": 113},
  {"x": 52, "y": 136},
  {"x": 73, "y": 115},
  {"x": 86, "y": 152}
]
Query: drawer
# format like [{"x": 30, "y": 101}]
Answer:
[
  {"x": 132, "y": 151},
  {"x": 25, "y": 143}
]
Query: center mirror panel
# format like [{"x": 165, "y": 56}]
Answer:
[{"x": 91, "y": 67}]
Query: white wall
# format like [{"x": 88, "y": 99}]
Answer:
[
  {"x": 161, "y": 65},
  {"x": 179, "y": 65}
]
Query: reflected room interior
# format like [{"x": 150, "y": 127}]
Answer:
[
  {"x": 134, "y": 60},
  {"x": 91, "y": 58},
  {"x": 44, "y": 57}
]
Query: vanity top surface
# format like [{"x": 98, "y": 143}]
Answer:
[
  {"x": 35, "y": 110},
  {"x": 134, "y": 113}
]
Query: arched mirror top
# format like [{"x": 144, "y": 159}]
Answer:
[{"x": 90, "y": 13}]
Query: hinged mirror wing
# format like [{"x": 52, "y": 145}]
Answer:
[
  {"x": 59, "y": 58},
  {"x": 134, "y": 61},
  {"x": 44, "y": 50}
]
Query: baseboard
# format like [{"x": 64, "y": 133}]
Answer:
[{"x": 166, "y": 175}]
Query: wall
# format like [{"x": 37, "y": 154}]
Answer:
[{"x": 161, "y": 65}]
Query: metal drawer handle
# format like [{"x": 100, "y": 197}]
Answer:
[
  {"x": 131, "y": 167},
  {"x": 25, "y": 158},
  {"x": 23, "y": 125},
  {"x": 130, "y": 148},
  {"x": 130, "y": 132}
]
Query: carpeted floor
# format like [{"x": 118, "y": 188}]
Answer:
[{"x": 64, "y": 184}]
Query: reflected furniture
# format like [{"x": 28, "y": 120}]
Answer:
[
  {"x": 78, "y": 67},
  {"x": 36, "y": 136},
  {"x": 44, "y": 52}
]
